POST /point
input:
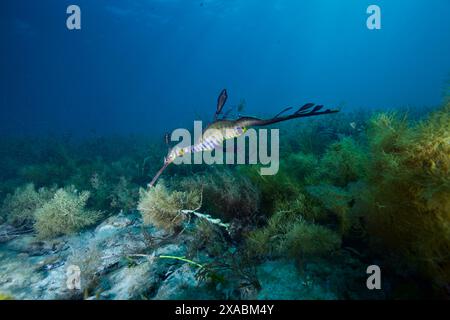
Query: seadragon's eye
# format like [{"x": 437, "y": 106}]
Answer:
[{"x": 241, "y": 130}]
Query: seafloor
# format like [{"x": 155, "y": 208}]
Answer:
[{"x": 353, "y": 190}]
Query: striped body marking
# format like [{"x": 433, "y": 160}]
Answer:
[{"x": 213, "y": 138}]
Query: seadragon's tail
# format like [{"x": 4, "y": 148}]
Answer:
[{"x": 306, "y": 111}]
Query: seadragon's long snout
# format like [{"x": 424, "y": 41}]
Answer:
[{"x": 155, "y": 178}]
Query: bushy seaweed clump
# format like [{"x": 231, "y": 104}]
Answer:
[
  {"x": 289, "y": 235},
  {"x": 225, "y": 194},
  {"x": 308, "y": 240},
  {"x": 408, "y": 194},
  {"x": 337, "y": 204},
  {"x": 302, "y": 167},
  {"x": 19, "y": 208},
  {"x": 162, "y": 208},
  {"x": 394, "y": 190},
  {"x": 273, "y": 189},
  {"x": 64, "y": 214},
  {"x": 207, "y": 237},
  {"x": 298, "y": 226},
  {"x": 310, "y": 196},
  {"x": 49, "y": 212},
  {"x": 293, "y": 232},
  {"x": 344, "y": 162}
]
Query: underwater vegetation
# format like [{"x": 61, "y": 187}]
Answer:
[
  {"x": 64, "y": 213},
  {"x": 408, "y": 192},
  {"x": 389, "y": 187},
  {"x": 112, "y": 169},
  {"x": 19, "y": 208},
  {"x": 225, "y": 194},
  {"x": 5, "y": 297},
  {"x": 162, "y": 208},
  {"x": 49, "y": 212},
  {"x": 287, "y": 234},
  {"x": 352, "y": 190}
]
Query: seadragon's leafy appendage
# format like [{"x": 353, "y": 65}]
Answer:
[{"x": 221, "y": 130}]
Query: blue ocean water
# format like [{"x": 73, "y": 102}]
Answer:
[
  {"x": 149, "y": 66},
  {"x": 83, "y": 114}
]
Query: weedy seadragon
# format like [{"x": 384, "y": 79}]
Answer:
[{"x": 222, "y": 129}]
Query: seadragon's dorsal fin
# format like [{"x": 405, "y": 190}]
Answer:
[{"x": 221, "y": 100}]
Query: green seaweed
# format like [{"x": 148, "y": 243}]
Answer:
[
  {"x": 19, "y": 208},
  {"x": 288, "y": 235},
  {"x": 408, "y": 194},
  {"x": 64, "y": 213},
  {"x": 162, "y": 208},
  {"x": 196, "y": 264},
  {"x": 225, "y": 193}
]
